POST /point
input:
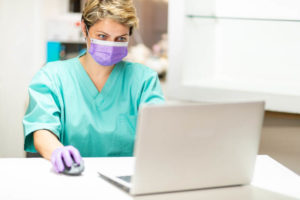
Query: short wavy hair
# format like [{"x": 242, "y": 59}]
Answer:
[{"x": 121, "y": 11}]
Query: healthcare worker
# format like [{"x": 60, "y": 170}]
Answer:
[{"x": 88, "y": 105}]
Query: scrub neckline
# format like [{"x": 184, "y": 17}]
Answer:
[{"x": 91, "y": 87}]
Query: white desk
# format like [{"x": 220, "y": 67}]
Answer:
[{"x": 33, "y": 178}]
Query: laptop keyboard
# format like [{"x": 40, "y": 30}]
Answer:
[{"x": 125, "y": 178}]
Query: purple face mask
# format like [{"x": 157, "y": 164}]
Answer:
[{"x": 108, "y": 53}]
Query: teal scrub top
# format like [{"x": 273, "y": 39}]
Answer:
[{"x": 65, "y": 101}]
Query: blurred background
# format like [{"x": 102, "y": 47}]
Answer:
[{"x": 208, "y": 50}]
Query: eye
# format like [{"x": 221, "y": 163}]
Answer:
[
  {"x": 122, "y": 39},
  {"x": 102, "y": 36}
]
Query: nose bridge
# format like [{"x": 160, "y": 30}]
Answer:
[{"x": 111, "y": 38}]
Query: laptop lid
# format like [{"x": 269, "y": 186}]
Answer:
[{"x": 185, "y": 147}]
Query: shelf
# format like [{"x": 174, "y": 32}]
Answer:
[
  {"x": 288, "y": 10},
  {"x": 239, "y": 18}
]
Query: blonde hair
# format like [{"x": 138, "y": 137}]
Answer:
[{"x": 122, "y": 11}]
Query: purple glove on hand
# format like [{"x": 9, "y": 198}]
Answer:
[{"x": 65, "y": 155}]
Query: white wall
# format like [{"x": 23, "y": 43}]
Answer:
[{"x": 22, "y": 53}]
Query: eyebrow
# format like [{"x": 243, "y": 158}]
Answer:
[{"x": 109, "y": 35}]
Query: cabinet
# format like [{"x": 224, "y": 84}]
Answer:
[{"x": 235, "y": 50}]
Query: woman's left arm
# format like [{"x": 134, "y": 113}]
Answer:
[{"x": 151, "y": 92}]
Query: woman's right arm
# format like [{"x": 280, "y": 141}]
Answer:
[
  {"x": 42, "y": 115},
  {"x": 48, "y": 145},
  {"x": 46, "y": 142}
]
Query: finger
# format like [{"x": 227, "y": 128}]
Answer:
[
  {"x": 59, "y": 162},
  {"x": 55, "y": 167},
  {"x": 53, "y": 156},
  {"x": 67, "y": 158},
  {"x": 53, "y": 161},
  {"x": 75, "y": 154}
]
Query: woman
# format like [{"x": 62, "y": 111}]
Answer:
[{"x": 88, "y": 105}]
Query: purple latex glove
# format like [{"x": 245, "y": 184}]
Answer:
[{"x": 65, "y": 155}]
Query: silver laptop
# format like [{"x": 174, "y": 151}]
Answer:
[{"x": 193, "y": 146}]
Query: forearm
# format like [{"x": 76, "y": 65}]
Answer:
[{"x": 45, "y": 143}]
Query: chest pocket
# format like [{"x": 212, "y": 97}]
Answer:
[{"x": 124, "y": 136}]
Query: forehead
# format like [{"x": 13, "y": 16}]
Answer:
[{"x": 110, "y": 26}]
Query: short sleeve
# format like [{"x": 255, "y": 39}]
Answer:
[
  {"x": 151, "y": 92},
  {"x": 43, "y": 111}
]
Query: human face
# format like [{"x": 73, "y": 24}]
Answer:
[{"x": 108, "y": 30}]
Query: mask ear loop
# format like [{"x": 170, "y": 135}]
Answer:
[{"x": 86, "y": 31}]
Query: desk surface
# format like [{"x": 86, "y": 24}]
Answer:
[{"x": 33, "y": 178}]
